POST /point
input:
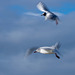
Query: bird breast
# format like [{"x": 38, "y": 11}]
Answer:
[{"x": 48, "y": 16}]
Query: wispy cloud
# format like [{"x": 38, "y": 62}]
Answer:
[
  {"x": 32, "y": 14},
  {"x": 37, "y": 14}
]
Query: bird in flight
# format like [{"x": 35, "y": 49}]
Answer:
[
  {"x": 48, "y": 14},
  {"x": 45, "y": 50}
]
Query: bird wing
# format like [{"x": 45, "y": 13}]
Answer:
[
  {"x": 30, "y": 51},
  {"x": 42, "y": 7},
  {"x": 57, "y": 46}
]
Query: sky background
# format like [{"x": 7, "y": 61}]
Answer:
[{"x": 20, "y": 30}]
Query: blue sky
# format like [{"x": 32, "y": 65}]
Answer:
[
  {"x": 65, "y": 8},
  {"x": 19, "y": 32}
]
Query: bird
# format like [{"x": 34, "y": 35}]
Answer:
[
  {"x": 46, "y": 50},
  {"x": 47, "y": 13}
]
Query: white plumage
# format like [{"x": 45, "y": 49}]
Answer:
[{"x": 46, "y": 50}]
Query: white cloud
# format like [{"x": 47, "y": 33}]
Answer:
[
  {"x": 37, "y": 14},
  {"x": 32, "y": 14},
  {"x": 29, "y": 31}
]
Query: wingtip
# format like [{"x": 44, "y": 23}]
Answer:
[{"x": 38, "y": 3}]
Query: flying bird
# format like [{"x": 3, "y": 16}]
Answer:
[
  {"x": 46, "y": 50},
  {"x": 48, "y": 14}
]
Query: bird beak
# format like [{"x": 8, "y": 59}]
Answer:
[{"x": 35, "y": 51}]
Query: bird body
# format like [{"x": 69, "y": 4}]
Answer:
[
  {"x": 48, "y": 16},
  {"x": 46, "y": 50},
  {"x": 49, "y": 50}
]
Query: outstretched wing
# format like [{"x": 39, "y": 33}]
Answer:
[
  {"x": 42, "y": 7},
  {"x": 57, "y": 46},
  {"x": 30, "y": 51}
]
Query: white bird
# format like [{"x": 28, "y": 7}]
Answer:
[
  {"x": 46, "y": 50},
  {"x": 48, "y": 14}
]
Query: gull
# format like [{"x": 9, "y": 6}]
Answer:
[
  {"x": 46, "y": 50},
  {"x": 48, "y": 14}
]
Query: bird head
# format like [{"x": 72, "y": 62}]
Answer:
[
  {"x": 35, "y": 51},
  {"x": 38, "y": 50},
  {"x": 44, "y": 14}
]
